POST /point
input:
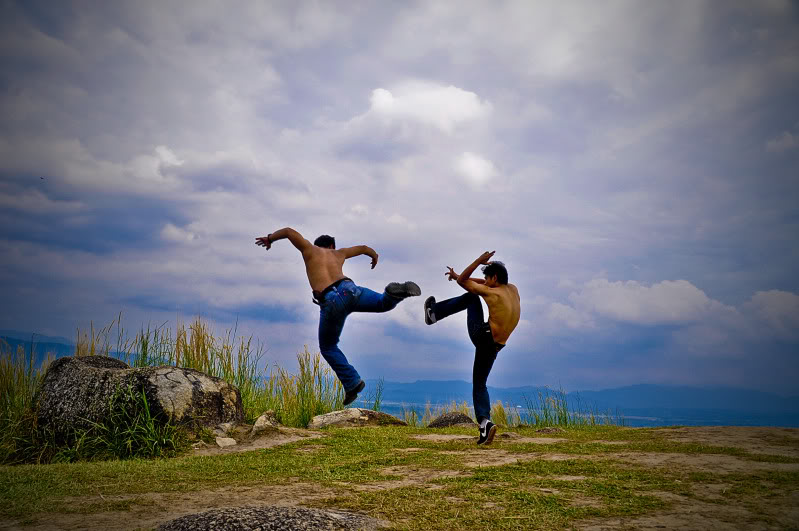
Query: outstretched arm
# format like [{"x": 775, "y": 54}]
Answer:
[
  {"x": 358, "y": 250},
  {"x": 452, "y": 275},
  {"x": 294, "y": 237},
  {"x": 464, "y": 279}
]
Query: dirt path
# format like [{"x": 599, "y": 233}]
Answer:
[{"x": 706, "y": 509}]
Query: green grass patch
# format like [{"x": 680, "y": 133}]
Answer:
[{"x": 528, "y": 494}]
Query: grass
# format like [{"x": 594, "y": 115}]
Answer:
[
  {"x": 528, "y": 494},
  {"x": 551, "y": 408},
  {"x": 129, "y": 431},
  {"x": 294, "y": 398}
]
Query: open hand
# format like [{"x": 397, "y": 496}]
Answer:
[
  {"x": 263, "y": 241},
  {"x": 485, "y": 258},
  {"x": 451, "y": 274},
  {"x": 374, "y": 260}
]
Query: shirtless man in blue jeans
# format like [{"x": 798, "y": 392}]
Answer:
[
  {"x": 338, "y": 296},
  {"x": 489, "y": 337}
]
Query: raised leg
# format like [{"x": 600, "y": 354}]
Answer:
[
  {"x": 371, "y": 301},
  {"x": 475, "y": 322}
]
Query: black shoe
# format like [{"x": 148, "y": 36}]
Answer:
[
  {"x": 403, "y": 290},
  {"x": 350, "y": 396},
  {"x": 487, "y": 433},
  {"x": 429, "y": 314}
]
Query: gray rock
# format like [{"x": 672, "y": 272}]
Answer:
[
  {"x": 453, "y": 418},
  {"x": 267, "y": 421},
  {"x": 224, "y": 442},
  {"x": 354, "y": 417},
  {"x": 76, "y": 391},
  {"x": 226, "y": 427},
  {"x": 270, "y": 518}
]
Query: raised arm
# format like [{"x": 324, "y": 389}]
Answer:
[
  {"x": 358, "y": 250},
  {"x": 464, "y": 279},
  {"x": 294, "y": 237},
  {"x": 452, "y": 275}
]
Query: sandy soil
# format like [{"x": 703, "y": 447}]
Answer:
[{"x": 708, "y": 509}]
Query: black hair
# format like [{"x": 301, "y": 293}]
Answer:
[
  {"x": 325, "y": 241},
  {"x": 498, "y": 269}
]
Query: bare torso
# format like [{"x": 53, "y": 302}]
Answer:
[
  {"x": 504, "y": 311},
  {"x": 323, "y": 266}
]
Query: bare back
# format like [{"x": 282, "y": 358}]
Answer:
[
  {"x": 323, "y": 266},
  {"x": 504, "y": 310}
]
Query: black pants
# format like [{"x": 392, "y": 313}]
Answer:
[{"x": 485, "y": 349}]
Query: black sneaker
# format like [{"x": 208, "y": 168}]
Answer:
[
  {"x": 487, "y": 433},
  {"x": 429, "y": 314},
  {"x": 403, "y": 290},
  {"x": 350, "y": 396}
]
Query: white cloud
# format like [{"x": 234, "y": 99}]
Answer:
[
  {"x": 398, "y": 219},
  {"x": 664, "y": 303},
  {"x": 563, "y": 313},
  {"x": 441, "y": 106},
  {"x": 475, "y": 169},
  {"x": 167, "y": 157},
  {"x": 176, "y": 234},
  {"x": 783, "y": 142}
]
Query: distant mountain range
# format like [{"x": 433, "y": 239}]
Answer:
[
  {"x": 640, "y": 405},
  {"x": 634, "y": 396},
  {"x": 11, "y": 340},
  {"x": 37, "y": 338}
]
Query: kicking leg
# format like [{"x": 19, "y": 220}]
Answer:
[
  {"x": 445, "y": 308},
  {"x": 373, "y": 302}
]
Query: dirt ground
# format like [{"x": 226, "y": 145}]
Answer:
[{"x": 707, "y": 510}]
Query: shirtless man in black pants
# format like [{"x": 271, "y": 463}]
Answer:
[{"x": 488, "y": 337}]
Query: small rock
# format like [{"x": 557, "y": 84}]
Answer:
[
  {"x": 219, "y": 433},
  {"x": 453, "y": 418},
  {"x": 226, "y": 427},
  {"x": 224, "y": 442},
  {"x": 267, "y": 421},
  {"x": 354, "y": 417}
]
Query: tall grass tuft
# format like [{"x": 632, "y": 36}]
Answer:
[
  {"x": 507, "y": 418},
  {"x": 552, "y": 409},
  {"x": 314, "y": 390},
  {"x": 19, "y": 381},
  {"x": 374, "y": 397}
]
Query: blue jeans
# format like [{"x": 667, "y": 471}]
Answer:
[
  {"x": 485, "y": 351},
  {"x": 334, "y": 308}
]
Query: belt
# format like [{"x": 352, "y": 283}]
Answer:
[{"x": 319, "y": 296}]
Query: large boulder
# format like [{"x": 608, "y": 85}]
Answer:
[
  {"x": 452, "y": 418},
  {"x": 352, "y": 417},
  {"x": 76, "y": 391}
]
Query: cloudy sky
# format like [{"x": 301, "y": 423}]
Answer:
[{"x": 633, "y": 163}]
